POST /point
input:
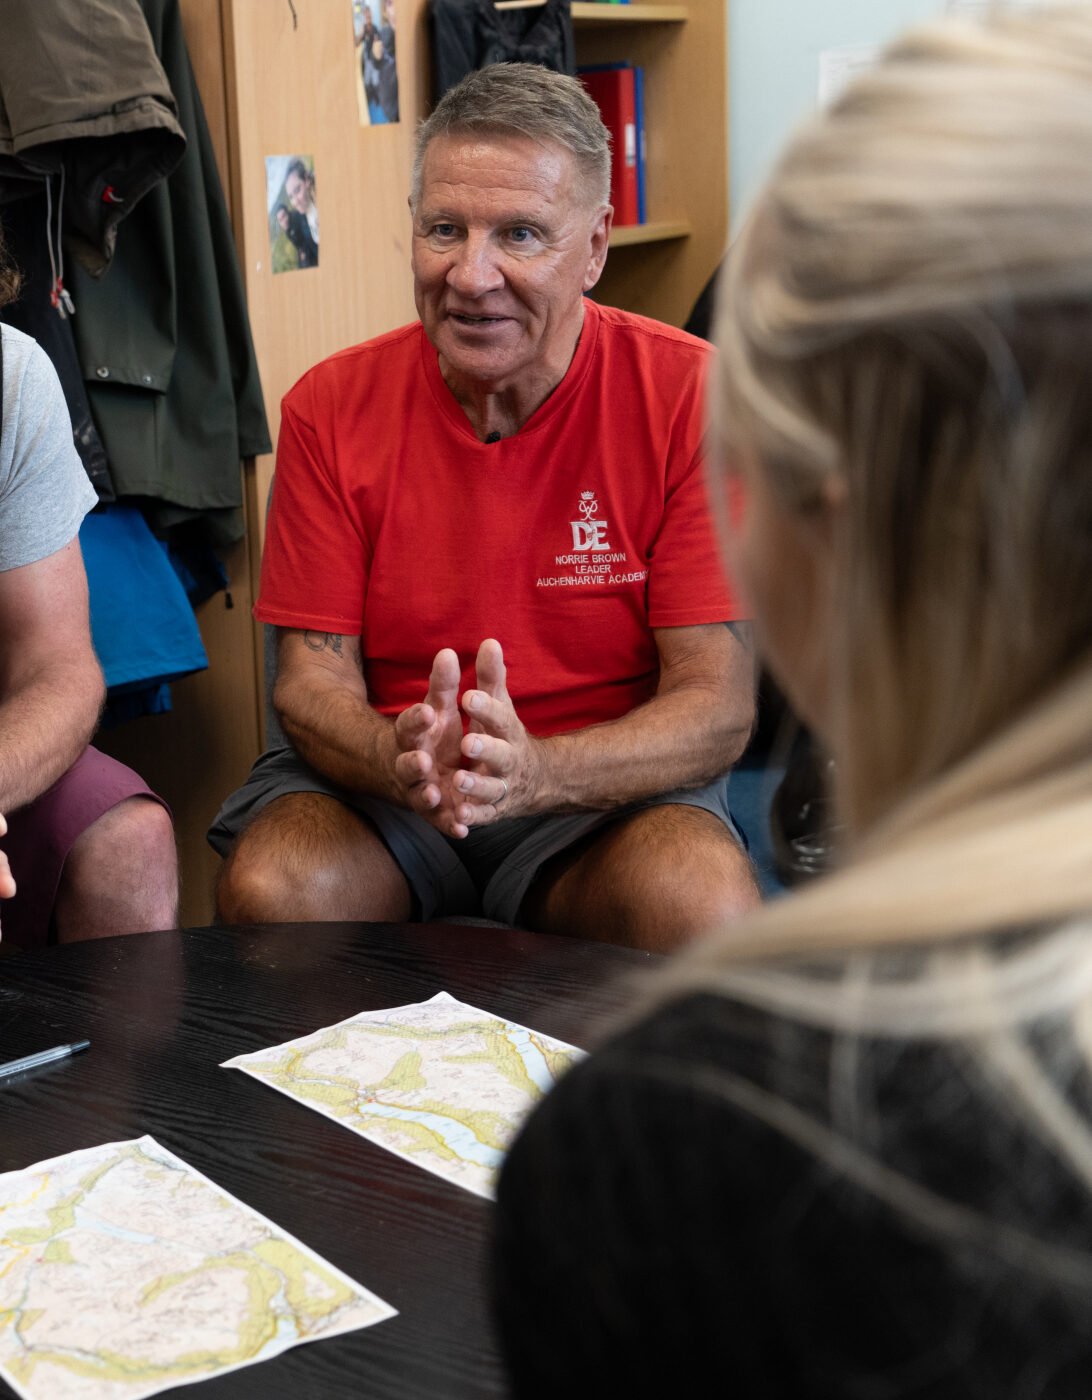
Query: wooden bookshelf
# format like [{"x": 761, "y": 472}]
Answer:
[{"x": 659, "y": 268}]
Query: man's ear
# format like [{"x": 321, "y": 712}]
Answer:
[{"x": 600, "y": 242}]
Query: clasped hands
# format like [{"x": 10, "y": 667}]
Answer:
[
  {"x": 7, "y": 883},
  {"x": 457, "y": 779}
]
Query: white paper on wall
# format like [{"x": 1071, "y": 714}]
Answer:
[{"x": 838, "y": 67}]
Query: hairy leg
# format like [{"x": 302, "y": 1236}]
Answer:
[
  {"x": 653, "y": 880},
  {"x": 121, "y": 875},
  {"x": 308, "y": 858}
]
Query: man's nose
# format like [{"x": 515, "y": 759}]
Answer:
[{"x": 475, "y": 268}]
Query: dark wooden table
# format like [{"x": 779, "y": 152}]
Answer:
[{"x": 162, "y": 1011}]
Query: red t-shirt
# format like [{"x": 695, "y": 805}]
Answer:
[{"x": 567, "y": 542}]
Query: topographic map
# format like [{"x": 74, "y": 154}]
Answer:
[
  {"x": 124, "y": 1272},
  {"x": 438, "y": 1082}
]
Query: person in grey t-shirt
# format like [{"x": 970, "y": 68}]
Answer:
[{"x": 90, "y": 847}]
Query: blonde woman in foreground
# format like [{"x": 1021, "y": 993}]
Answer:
[{"x": 849, "y": 1152}]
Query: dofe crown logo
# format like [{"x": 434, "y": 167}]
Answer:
[{"x": 589, "y": 534}]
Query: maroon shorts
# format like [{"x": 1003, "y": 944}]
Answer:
[{"x": 41, "y": 835}]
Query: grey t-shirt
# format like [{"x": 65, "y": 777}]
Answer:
[{"x": 44, "y": 490}]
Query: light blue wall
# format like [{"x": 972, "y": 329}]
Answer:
[{"x": 773, "y": 69}]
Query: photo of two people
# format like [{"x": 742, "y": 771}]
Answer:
[
  {"x": 374, "y": 37},
  {"x": 293, "y": 212}
]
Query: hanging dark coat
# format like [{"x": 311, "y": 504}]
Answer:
[
  {"x": 88, "y": 125},
  {"x": 164, "y": 338},
  {"x": 83, "y": 94}
]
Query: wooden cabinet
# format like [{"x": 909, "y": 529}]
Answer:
[{"x": 660, "y": 267}]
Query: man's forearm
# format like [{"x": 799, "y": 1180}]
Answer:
[
  {"x": 412, "y": 760},
  {"x": 682, "y": 739},
  {"x": 44, "y": 727},
  {"x": 692, "y": 731},
  {"x": 689, "y": 733},
  {"x": 339, "y": 734}
]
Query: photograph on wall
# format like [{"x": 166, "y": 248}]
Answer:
[
  {"x": 374, "y": 37},
  {"x": 293, "y": 212}
]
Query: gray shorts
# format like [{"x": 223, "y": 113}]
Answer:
[{"x": 485, "y": 874}]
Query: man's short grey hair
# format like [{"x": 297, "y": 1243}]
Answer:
[{"x": 522, "y": 99}]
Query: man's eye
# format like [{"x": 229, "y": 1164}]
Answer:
[
  {"x": 521, "y": 234},
  {"x": 443, "y": 230}
]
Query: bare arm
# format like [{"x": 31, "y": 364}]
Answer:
[
  {"x": 50, "y": 681},
  {"x": 694, "y": 728},
  {"x": 322, "y": 703}
]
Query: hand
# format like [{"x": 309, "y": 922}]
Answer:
[
  {"x": 7, "y": 884},
  {"x": 428, "y": 737},
  {"x": 503, "y": 778}
]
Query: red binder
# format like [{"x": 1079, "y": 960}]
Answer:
[{"x": 614, "y": 92}]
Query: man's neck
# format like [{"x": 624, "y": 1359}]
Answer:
[{"x": 498, "y": 409}]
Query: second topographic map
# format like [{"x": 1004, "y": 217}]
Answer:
[{"x": 441, "y": 1083}]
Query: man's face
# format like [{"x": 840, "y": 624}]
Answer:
[
  {"x": 298, "y": 190},
  {"x": 505, "y": 242}
]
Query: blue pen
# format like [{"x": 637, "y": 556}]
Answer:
[{"x": 44, "y": 1057}]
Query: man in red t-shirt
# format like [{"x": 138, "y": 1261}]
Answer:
[{"x": 509, "y": 669}]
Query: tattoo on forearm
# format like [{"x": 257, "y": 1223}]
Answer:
[
  {"x": 743, "y": 633},
  {"x": 320, "y": 641}
]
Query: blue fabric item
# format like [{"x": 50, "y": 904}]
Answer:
[{"x": 142, "y": 624}]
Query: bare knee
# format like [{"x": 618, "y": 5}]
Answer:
[
  {"x": 121, "y": 875},
  {"x": 725, "y": 887},
  {"x": 307, "y": 858},
  {"x": 654, "y": 881},
  {"x": 673, "y": 890},
  {"x": 254, "y": 887},
  {"x": 135, "y": 836}
]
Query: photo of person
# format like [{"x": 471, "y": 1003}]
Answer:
[
  {"x": 374, "y": 37},
  {"x": 293, "y": 212}
]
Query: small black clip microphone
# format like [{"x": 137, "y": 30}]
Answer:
[{"x": 493, "y": 437}]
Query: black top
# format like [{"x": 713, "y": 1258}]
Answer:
[
  {"x": 472, "y": 34},
  {"x": 670, "y": 1223}
]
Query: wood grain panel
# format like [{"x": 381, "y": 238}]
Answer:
[
  {"x": 293, "y": 90},
  {"x": 202, "y": 22}
]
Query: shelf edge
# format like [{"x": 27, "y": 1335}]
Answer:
[
  {"x": 662, "y": 231},
  {"x": 585, "y": 14}
]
